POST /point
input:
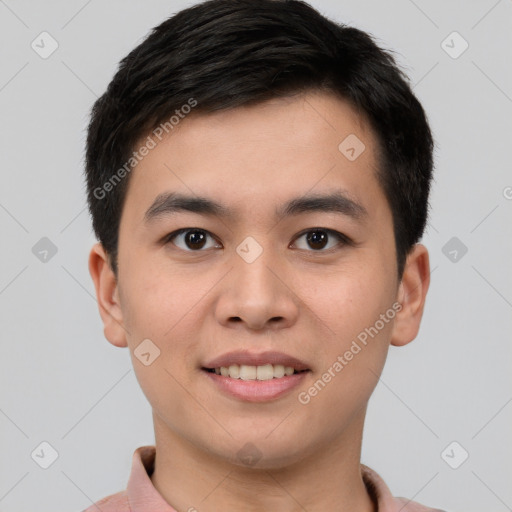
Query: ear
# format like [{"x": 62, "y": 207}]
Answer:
[
  {"x": 411, "y": 295},
  {"x": 107, "y": 296}
]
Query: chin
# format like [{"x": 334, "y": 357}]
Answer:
[{"x": 264, "y": 453}]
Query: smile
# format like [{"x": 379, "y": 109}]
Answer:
[{"x": 247, "y": 372}]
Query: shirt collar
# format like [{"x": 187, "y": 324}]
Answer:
[
  {"x": 143, "y": 496},
  {"x": 378, "y": 490}
]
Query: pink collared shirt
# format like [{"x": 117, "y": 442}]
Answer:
[{"x": 141, "y": 496}]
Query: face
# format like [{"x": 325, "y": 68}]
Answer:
[{"x": 312, "y": 286}]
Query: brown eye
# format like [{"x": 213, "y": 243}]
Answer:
[
  {"x": 192, "y": 239},
  {"x": 195, "y": 239},
  {"x": 319, "y": 239}
]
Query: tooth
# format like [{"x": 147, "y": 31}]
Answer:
[
  {"x": 265, "y": 372},
  {"x": 278, "y": 370},
  {"x": 247, "y": 372},
  {"x": 234, "y": 371}
]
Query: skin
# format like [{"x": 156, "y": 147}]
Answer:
[{"x": 196, "y": 304}]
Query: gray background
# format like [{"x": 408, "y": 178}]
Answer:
[{"x": 63, "y": 383}]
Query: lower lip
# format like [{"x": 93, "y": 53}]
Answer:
[{"x": 257, "y": 390}]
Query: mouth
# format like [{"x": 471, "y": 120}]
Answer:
[
  {"x": 255, "y": 377},
  {"x": 249, "y": 372}
]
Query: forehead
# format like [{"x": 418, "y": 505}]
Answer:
[{"x": 251, "y": 157}]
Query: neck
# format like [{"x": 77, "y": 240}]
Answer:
[{"x": 328, "y": 478}]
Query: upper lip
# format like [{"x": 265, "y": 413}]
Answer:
[{"x": 256, "y": 359}]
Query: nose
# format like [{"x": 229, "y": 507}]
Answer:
[{"x": 257, "y": 294}]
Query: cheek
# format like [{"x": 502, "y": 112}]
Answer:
[
  {"x": 169, "y": 308},
  {"x": 353, "y": 353},
  {"x": 156, "y": 301},
  {"x": 355, "y": 345},
  {"x": 163, "y": 309},
  {"x": 348, "y": 299}
]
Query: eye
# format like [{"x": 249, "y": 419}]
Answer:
[
  {"x": 319, "y": 238},
  {"x": 194, "y": 239}
]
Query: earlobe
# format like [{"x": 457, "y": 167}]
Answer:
[
  {"x": 411, "y": 295},
  {"x": 107, "y": 296}
]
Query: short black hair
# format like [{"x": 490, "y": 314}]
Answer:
[{"x": 222, "y": 54}]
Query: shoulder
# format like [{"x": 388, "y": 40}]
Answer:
[
  {"x": 114, "y": 503},
  {"x": 383, "y": 498},
  {"x": 405, "y": 505}
]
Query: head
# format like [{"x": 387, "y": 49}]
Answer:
[{"x": 319, "y": 156}]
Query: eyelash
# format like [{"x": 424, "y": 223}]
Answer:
[{"x": 342, "y": 239}]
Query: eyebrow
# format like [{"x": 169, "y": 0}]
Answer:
[{"x": 168, "y": 203}]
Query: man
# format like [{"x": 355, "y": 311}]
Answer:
[{"x": 258, "y": 179}]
